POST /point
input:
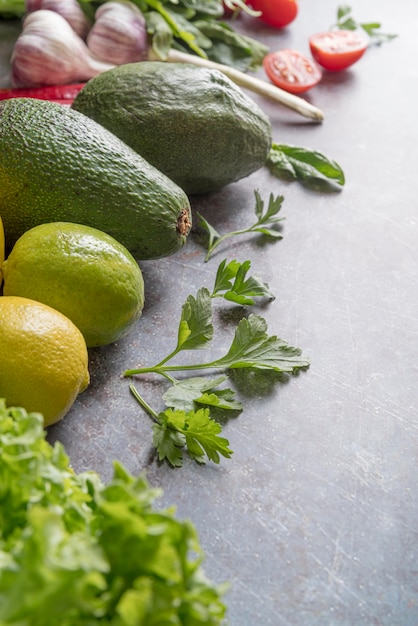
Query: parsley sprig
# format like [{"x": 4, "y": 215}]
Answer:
[
  {"x": 187, "y": 422},
  {"x": 265, "y": 224},
  {"x": 195, "y": 430},
  {"x": 251, "y": 346},
  {"x": 233, "y": 284},
  {"x": 346, "y": 21}
]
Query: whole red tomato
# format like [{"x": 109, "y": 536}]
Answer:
[{"x": 276, "y": 13}]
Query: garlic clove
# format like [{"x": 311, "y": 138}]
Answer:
[
  {"x": 69, "y": 9},
  {"x": 119, "y": 33},
  {"x": 49, "y": 52}
]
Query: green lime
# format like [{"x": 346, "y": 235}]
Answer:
[{"x": 82, "y": 272}]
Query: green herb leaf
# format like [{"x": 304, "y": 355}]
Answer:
[
  {"x": 223, "y": 399},
  {"x": 268, "y": 219},
  {"x": 168, "y": 442},
  {"x": 230, "y": 47},
  {"x": 214, "y": 237},
  {"x": 232, "y": 283},
  {"x": 345, "y": 21},
  {"x": 250, "y": 348},
  {"x": 160, "y": 32},
  {"x": 266, "y": 223},
  {"x": 195, "y": 328},
  {"x": 253, "y": 348},
  {"x": 183, "y": 394},
  {"x": 198, "y": 433},
  {"x": 310, "y": 167}
]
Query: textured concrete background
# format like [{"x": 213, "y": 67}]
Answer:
[{"x": 314, "y": 518}]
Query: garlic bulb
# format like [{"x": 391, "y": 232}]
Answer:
[
  {"x": 49, "y": 52},
  {"x": 69, "y": 9},
  {"x": 119, "y": 33}
]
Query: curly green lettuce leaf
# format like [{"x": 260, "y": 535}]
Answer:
[{"x": 77, "y": 552}]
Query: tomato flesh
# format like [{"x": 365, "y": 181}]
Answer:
[
  {"x": 291, "y": 70},
  {"x": 337, "y": 50},
  {"x": 276, "y": 13}
]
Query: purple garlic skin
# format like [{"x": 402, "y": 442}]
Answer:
[
  {"x": 49, "y": 52},
  {"x": 69, "y": 9},
  {"x": 119, "y": 34}
]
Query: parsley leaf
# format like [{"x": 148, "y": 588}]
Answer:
[
  {"x": 253, "y": 348},
  {"x": 220, "y": 399},
  {"x": 185, "y": 394},
  {"x": 195, "y": 329},
  {"x": 345, "y": 21},
  {"x": 266, "y": 223},
  {"x": 187, "y": 422},
  {"x": 176, "y": 429},
  {"x": 312, "y": 168},
  {"x": 194, "y": 430},
  {"x": 231, "y": 283},
  {"x": 168, "y": 442}
]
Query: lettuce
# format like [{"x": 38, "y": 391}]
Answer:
[{"x": 77, "y": 552}]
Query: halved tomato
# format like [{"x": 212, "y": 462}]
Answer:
[
  {"x": 291, "y": 70},
  {"x": 337, "y": 49}
]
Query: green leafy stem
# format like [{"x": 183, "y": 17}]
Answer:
[
  {"x": 265, "y": 224},
  {"x": 187, "y": 421},
  {"x": 346, "y": 21}
]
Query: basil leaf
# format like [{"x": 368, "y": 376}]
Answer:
[{"x": 311, "y": 167}]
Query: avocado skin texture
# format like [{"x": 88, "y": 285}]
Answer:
[
  {"x": 58, "y": 165},
  {"x": 192, "y": 123}
]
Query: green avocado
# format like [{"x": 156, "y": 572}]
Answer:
[
  {"x": 56, "y": 164},
  {"x": 192, "y": 123}
]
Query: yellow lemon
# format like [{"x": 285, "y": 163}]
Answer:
[
  {"x": 82, "y": 272},
  {"x": 1, "y": 247},
  {"x": 44, "y": 359}
]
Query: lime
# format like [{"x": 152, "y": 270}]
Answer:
[
  {"x": 44, "y": 358},
  {"x": 82, "y": 272},
  {"x": 1, "y": 248}
]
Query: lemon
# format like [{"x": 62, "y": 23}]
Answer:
[
  {"x": 82, "y": 272},
  {"x": 1, "y": 247},
  {"x": 44, "y": 358}
]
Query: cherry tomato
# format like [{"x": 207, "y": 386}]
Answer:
[
  {"x": 276, "y": 13},
  {"x": 338, "y": 49},
  {"x": 291, "y": 70}
]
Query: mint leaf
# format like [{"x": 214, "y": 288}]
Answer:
[{"x": 310, "y": 167}]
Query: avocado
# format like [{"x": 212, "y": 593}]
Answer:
[
  {"x": 192, "y": 123},
  {"x": 56, "y": 164}
]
